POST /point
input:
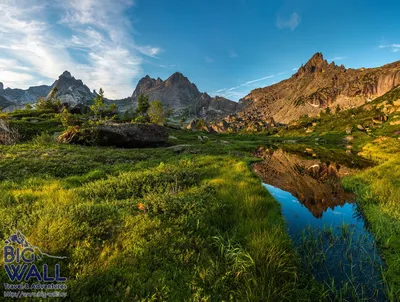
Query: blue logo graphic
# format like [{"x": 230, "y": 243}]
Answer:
[{"x": 19, "y": 262}]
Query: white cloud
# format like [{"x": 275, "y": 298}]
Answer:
[
  {"x": 233, "y": 54},
  {"x": 233, "y": 94},
  {"x": 90, "y": 38},
  {"x": 337, "y": 58},
  {"x": 393, "y": 47},
  {"x": 248, "y": 83},
  {"x": 292, "y": 22},
  {"x": 149, "y": 51},
  {"x": 258, "y": 80}
]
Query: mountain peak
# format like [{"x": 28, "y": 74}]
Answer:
[
  {"x": 317, "y": 57},
  {"x": 71, "y": 90},
  {"x": 1, "y": 86},
  {"x": 176, "y": 78},
  {"x": 143, "y": 85},
  {"x": 66, "y": 74},
  {"x": 316, "y": 64}
]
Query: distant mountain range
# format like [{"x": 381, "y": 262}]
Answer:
[
  {"x": 69, "y": 90},
  {"x": 177, "y": 93},
  {"x": 314, "y": 87}
]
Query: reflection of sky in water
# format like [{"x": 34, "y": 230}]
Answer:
[
  {"x": 298, "y": 217},
  {"x": 337, "y": 264}
]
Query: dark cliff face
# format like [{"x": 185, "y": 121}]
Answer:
[
  {"x": 178, "y": 93},
  {"x": 318, "y": 85}
]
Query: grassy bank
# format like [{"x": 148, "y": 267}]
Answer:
[
  {"x": 372, "y": 132},
  {"x": 378, "y": 191},
  {"x": 180, "y": 223}
]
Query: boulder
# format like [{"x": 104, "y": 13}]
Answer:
[
  {"x": 360, "y": 127},
  {"x": 192, "y": 125},
  {"x": 348, "y": 139},
  {"x": 79, "y": 109},
  {"x": 379, "y": 119},
  {"x": 8, "y": 136},
  {"x": 396, "y": 103},
  {"x": 179, "y": 148},
  {"x": 119, "y": 135}
]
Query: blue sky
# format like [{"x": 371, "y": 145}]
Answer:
[{"x": 225, "y": 47}]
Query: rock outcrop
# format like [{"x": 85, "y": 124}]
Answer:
[
  {"x": 316, "y": 86},
  {"x": 119, "y": 135}
]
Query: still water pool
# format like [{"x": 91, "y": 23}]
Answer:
[{"x": 325, "y": 224}]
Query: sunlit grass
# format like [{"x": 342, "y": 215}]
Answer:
[
  {"x": 150, "y": 224},
  {"x": 378, "y": 189}
]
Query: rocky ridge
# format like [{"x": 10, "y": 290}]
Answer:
[
  {"x": 20, "y": 96},
  {"x": 316, "y": 86}
]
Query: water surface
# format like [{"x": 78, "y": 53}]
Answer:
[{"x": 324, "y": 222}]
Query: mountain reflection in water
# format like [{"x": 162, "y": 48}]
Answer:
[{"x": 314, "y": 183}]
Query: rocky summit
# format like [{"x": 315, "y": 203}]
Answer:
[
  {"x": 318, "y": 85},
  {"x": 71, "y": 90},
  {"x": 179, "y": 94}
]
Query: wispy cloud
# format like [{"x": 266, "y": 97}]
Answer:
[
  {"x": 337, "y": 58},
  {"x": 209, "y": 60},
  {"x": 233, "y": 54},
  {"x": 90, "y": 38},
  {"x": 246, "y": 84},
  {"x": 149, "y": 51},
  {"x": 393, "y": 47},
  {"x": 233, "y": 93},
  {"x": 291, "y": 22},
  {"x": 258, "y": 80}
]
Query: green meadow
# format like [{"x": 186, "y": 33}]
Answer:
[
  {"x": 175, "y": 223},
  {"x": 185, "y": 222}
]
